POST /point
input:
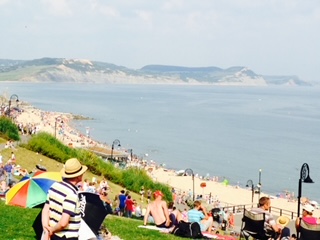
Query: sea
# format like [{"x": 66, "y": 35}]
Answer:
[{"x": 236, "y": 133}]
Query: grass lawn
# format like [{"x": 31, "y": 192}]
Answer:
[
  {"x": 28, "y": 159},
  {"x": 16, "y": 224}
]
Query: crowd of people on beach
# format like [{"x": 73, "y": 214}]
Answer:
[{"x": 9, "y": 170}]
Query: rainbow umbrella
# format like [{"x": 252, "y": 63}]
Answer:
[{"x": 32, "y": 189}]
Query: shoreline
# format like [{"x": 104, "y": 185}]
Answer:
[{"x": 57, "y": 123}]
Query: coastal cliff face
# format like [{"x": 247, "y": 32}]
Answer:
[{"x": 85, "y": 71}]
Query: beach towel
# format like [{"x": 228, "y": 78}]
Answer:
[
  {"x": 218, "y": 236},
  {"x": 153, "y": 227}
]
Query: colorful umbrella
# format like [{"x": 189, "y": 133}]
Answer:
[{"x": 32, "y": 189}]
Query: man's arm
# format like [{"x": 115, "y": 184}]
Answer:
[
  {"x": 204, "y": 211},
  {"x": 166, "y": 212},
  {"x": 64, "y": 221},
  {"x": 145, "y": 219},
  {"x": 45, "y": 216},
  {"x": 276, "y": 227}
]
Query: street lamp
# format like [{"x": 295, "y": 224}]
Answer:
[
  {"x": 259, "y": 184},
  {"x": 117, "y": 143},
  {"x": 11, "y": 98},
  {"x": 250, "y": 184},
  {"x": 190, "y": 170},
  {"x": 304, "y": 177}
]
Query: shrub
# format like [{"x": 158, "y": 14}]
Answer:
[
  {"x": 132, "y": 179},
  {"x": 8, "y": 129}
]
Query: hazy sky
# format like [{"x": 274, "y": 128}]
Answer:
[{"x": 269, "y": 36}]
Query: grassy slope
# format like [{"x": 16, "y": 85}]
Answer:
[
  {"x": 16, "y": 224},
  {"x": 20, "y": 73},
  {"x": 29, "y": 159}
]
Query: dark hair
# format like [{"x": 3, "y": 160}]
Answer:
[
  {"x": 196, "y": 203},
  {"x": 263, "y": 201}
]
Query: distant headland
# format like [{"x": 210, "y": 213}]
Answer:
[{"x": 86, "y": 71}]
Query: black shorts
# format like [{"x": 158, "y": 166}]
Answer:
[
  {"x": 55, "y": 237},
  {"x": 163, "y": 225}
]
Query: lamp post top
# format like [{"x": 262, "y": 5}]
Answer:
[
  {"x": 116, "y": 142},
  {"x": 249, "y": 183},
  {"x": 304, "y": 173},
  {"x": 14, "y": 95}
]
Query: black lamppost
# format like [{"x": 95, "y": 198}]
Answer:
[
  {"x": 117, "y": 143},
  {"x": 11, "y": 98},
  {"x": 250, "y": 184},
  {"x": 190, "y": 170},
  {"x": 304, "y": 177},
  {"x": 259, "y": 184}
]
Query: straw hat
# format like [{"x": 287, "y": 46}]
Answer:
[
  {"x": 283, "y": 221},
  {"x": 73, "y": 168}
]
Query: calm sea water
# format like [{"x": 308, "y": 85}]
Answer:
[{"x": 228, "y": 132}]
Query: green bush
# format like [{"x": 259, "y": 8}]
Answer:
[
  {"x": 8, "y": 129},
  {"x": 132, "y": 179}
]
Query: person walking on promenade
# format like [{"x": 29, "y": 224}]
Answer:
[{"x": 61, "y": 212}]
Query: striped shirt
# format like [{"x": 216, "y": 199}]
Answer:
[{"x": 63, "y": 198}]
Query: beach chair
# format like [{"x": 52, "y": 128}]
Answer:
[
  {"x": 253, "y": 225},
  {"x": 308, "y": 231}
]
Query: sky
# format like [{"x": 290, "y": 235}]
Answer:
[{"x": 271, "y": 37}]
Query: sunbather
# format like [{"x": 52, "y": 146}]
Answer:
[{"x": 158, "y": 209}]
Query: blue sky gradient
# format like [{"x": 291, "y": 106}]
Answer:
[{"x": 271, "y": 37}]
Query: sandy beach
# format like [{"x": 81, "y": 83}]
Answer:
[{"x": 57, "y": 124}]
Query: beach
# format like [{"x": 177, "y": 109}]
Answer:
[{"x": 58, "y": 124}]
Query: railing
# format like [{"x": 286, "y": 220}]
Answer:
[{"x": 274, "y": 210}]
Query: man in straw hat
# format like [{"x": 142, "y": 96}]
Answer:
[
  {"x": 61, "y": 213},
  {"x": 271, "y": 225}
]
